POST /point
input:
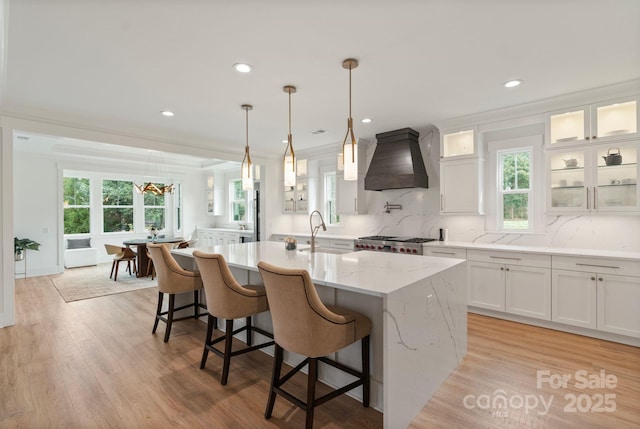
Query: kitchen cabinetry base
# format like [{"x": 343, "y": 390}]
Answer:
[{"x": 623, "y": 339}]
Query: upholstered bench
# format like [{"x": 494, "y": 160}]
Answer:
[{"x": 79, "y": 253}]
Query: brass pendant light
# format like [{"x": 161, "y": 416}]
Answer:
[
  {"x": 247, "y": 167},
  {"x": 289, "y": 160},
  {"x": 350, "y": 149}
]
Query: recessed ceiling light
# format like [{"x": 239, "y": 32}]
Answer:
[
  {"x": 167, "y": 113},
  {"x": 316, "y": 132},
  {"x": 366, "y": 120},
  {"x": 242, "y": 67},
  {"x": 512, "y": 83}
]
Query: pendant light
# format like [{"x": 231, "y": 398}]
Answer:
[
  {"x": 350, "y": 149},
  {"x": 289, "y": 161},
  {"x": 247, "y": 166}
]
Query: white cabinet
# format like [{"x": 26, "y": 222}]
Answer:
[
  {"x": 213, "y": 236},
  {"x": 445, "y": 252},
  {"x": 597, "y": 293},
  {"x": 350, "y": 195},
  {"x": 574, "y": 298},
  {"x": 461, "y": 187},
  {"x": 512, "y": 282},
  {"x": 459, "y": 143},
  {"x": 296, "y": 198},
  {"x": 606, "y": 121},
  {"x": 581, "y": 180}
]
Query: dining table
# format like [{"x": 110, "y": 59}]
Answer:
[{"x": 142, "y": 260}]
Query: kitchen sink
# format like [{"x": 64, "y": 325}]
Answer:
[{"x": 328, "y": 250}]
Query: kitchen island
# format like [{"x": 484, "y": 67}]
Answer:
[{"x": 417, "y": 305}]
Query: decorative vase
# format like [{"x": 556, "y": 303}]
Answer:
[{"x": 18, "y": 255}]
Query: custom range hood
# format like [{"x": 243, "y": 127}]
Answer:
[{"x": 397, "y": 162}]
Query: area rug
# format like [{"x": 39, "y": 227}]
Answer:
[{"x": 91, "y": 282}]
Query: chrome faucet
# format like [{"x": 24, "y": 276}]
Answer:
[{"x": 314, "y": 229}]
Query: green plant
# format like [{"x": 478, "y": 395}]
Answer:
[{"x": 22, "y": 244}]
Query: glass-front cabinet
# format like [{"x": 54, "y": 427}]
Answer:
[
  {"x": 296, "y": 198},
  {"x": 458, "y": 143},
  {"x": 601, "y": 122},
  {"x": 601, "y": 178}
]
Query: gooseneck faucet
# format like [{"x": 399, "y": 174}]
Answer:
[{"x": 314, "y": 229}]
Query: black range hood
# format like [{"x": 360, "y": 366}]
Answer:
[{"x": 397, "y": 162}]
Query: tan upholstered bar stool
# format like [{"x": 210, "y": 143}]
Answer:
[
  {"x": 303, "y": 324},
  {"x": 173, "y": 279},
  {"x": 227, "y": 299}
]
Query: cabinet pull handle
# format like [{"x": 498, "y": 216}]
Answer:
[
  {"x": 587, "y": 138},
  {"x": 594, "y": 137},
  {"x": 587, "y": 189},
  {"x": 599, "y": 279},
  {"x": 594, "y": 265},
  {"x": 595, "y": 197},
  {"x": 443, "y": 253},
  {"x": 355, "y": 204},
  {"x": 593, "y": 278},
  {"x": 507, "y": 269},
  {"x": 441, "y": 203},
  {"x": 504, "y": 257},
  {"x": 501, "y": 268}
]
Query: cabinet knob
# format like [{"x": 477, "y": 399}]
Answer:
[
  {"x": 587, "y": 138},
  {"x": 507, "y": 269},
  {"x": 594, "y": 137},
  {"x": 501, "y": 268},
  {"x": 593, "y": 278},
  {"x": 600, "y": 279}
]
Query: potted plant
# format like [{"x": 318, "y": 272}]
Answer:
[{"x": 22, "y": 244}]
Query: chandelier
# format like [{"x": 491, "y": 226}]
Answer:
[
  {"x": 349, "y": 149},
  {"x": 289, "y": 160},
  {"x": 151, "y": 187},
  {"x": 246, "y": 167}
]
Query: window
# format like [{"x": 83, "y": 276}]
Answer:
[
  {"x": 154, "y": 209},
  {"x": 238, "y": 198},
  {"x": 330, "y": 214},
  {"x": 117, "y": 205},
  {"x": 514, "y": 193},
  {"x": 178, "y": 206},
  {"x": 77, "y": 205}
]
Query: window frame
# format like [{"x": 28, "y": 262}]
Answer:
[
  {"x": 245, "y": 200},
  {"x": 111, "y": 206},
  {"x": 501, "y": 192},
  {"x": 493, "y": 214},
  {"x": 326, "y": 201},
  {"x": 76, "y": 206}
]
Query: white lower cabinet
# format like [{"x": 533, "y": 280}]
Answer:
[
  {"x": 515, "y": 287},
  {"x": 597, "y": 293},
  {"x": 574, "y": 298},
  {"x": 619, "y": 304}
]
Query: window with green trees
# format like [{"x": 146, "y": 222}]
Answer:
[
  {"x": 330, "y": 205},
  {"x": 238, "y": 199},
  {"x": 77, "y": 205},
  {"x": 117, "y": 205},
  {"x": 515, "y": 190},
  {"x": 154, "y": 209}
]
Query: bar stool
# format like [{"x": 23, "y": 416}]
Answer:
[
  {"x": 173, "y": 279},
  {"x": 303, "y": 324},
  {"x": 227, "y": 299}
]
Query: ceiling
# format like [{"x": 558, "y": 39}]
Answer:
[{"x": 116, "y": 64}]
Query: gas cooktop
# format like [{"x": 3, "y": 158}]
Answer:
[{"x": 394, "y": 244}]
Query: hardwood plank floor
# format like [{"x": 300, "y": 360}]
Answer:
[{"x": 95, "y": 364}]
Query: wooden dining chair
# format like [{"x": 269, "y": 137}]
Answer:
[{"x": 121, "y": 254}]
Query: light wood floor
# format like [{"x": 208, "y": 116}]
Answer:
[{"x": 95, "y": 364}]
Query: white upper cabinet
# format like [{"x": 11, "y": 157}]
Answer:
[
  {"x": 461, "y": 186},
  {"x": 601, "y": 178},
  {"x": 459, "y": 143},
  {"x": 601, "y": 122}
]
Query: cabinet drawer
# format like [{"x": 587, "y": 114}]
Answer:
[
  {"x": 511, "y": 258},
  {"x": 597, "y": 265},
  {"x": 341, "y": 244},
  {"x": 446, "y": 252}
]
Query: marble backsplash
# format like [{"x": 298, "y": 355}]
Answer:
[{"x": 420, "y": 217}]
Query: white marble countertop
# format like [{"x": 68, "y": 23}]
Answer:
[
  {"x": 319, "y": 236},
  {"x": 242, "y": 231},
  {"x": 557, "y": 251},
  {"x": 371, "y": 273}
]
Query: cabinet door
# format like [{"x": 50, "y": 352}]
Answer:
[
  {"x": 619, "y": 304},
  {"x": 616, "y": 187},
  {"x": 347, "y": 196},
  {"x": 615, "y": 120},
  {"x": 573, "y": 295},
  {"x": 568, "y": 127},
  {"x": 528, "y": 291},
  {"x": 458, "y": 143},
  {"x": 568, "y": 178},
  {"x": 486, "y": 285},
  {"x": 460, "y": 187}
]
